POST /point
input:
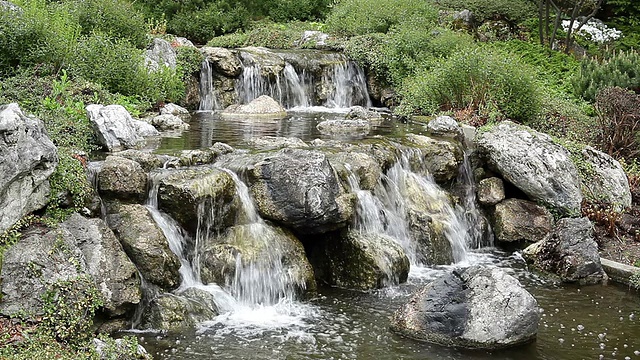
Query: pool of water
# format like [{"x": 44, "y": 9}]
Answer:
[{"x": 593, "y": 322}]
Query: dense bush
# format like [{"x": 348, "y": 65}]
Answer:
[
  {"x": 200, "y": 23},
  {"x": 287, "y": 10},
  {"x": 235, "y": 40},
  {"x": 117, "y": 18},
  {"x": 622, "y": 69},
  {"x": 514, "y": 11},
  {"x": 490, "y": 83},
  {"x": 41, "y": 33},
  {"x": 618, "y": 122},
  {"x": 359, "y": 17}
]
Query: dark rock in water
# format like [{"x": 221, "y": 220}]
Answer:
[
  {"x": 276, "y": 253},
  {"x": 28, "y": 158},
  {"x": 122, "y": 179},
  {"x": 145, "y": 244},
  {"x": 199, "y": 194},
  {"x": 570, "y": 251},
  {"x": 179, "y": 312},
  {"x": 521, "y": 220},
  {"x": 106, "y": 262},
  {"x": 359, "y": 112},
  {"x": 299, "y": 189},
  {"x": 477, "y": 307},
  {"x": 533, "y": 163},
  {"x": 360, "y": 261}
]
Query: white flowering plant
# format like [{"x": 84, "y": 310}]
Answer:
[{"x": 594, "y": 30}]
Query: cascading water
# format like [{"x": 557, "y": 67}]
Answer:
[
  {"x": 479, "y": 230},
  {"x": 93, "y": 169},
  {"x": 299, "y": 79}
]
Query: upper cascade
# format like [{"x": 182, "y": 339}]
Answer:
[{"x": 294, "y": 78}]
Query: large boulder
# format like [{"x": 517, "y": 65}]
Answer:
[
  {"x": 477, "y": 307},
  {"x": 533, "y": 163},
  {"x": 570, "y": 251},
  {"x": 114, "y": 127},
  {"x": 439, "y": 158},
  {"x": 160, "y": 54},
  {"x": 115, "y": 276},
  {"x": 28, "y": 158},
  {"x": 122, "y": 179},
  {"x": 199, "y": 195},
  {"x": 299, "y": 189},
  {"x": 243, "y": 251},
  {"x": 224, "y": 61},
  {"x": 521, "y": 220},
  {"x": 361, "y": 261},
  {"x": 605, "y": 180},
  {"x": 179, "y": 312},
  {"x": 168, "y": 122},
  {"x": 145, "y": 244},
  {"x": 262, "y": 106}
]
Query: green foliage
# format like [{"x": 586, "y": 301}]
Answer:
[
  {"x": 288, "y": 10},
  {"x": 235, "y": 40},
  {"x": 42, "y": 33},
  {"x": 490, "y": 83},
  {"x": 202, "y": 23},
  {"x": 69, "y": 186},
  {"x": 565, "y": 118},
  {"x": 189, "y": 61},
  {"x": 117, "y": 18},
  {"x": 622, "y": 69},
  {"x": 359, "y": 17},
  {"x": 514, "y": 11},
  {"x": 69, "y": 307}
]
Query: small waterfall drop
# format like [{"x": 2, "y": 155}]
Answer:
[
  {"x": 208, "y": 94},
  {"x": 93, "y": 169},
  {"x": 479, "y": 230}
]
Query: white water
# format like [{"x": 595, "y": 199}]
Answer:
[{"x": 340, "y": 83}]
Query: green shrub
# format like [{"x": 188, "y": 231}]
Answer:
[
  {"x": 622, "y": 69},
  {"x": 565, "y": 117},
  {"x": 359, "y": 17},
  {"x": 189, "y": 61},
  {"x": 202, "y": 23},
  {"x": 514, "y": 11},
  {"x": 41, "y": 34},
  {"x": 490, "y": 83},
  {"x": 288, "y": 10},
  {"x": 117, "y": 18},
  {"x": 235, "y": 40}
]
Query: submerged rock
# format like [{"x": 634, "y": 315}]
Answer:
[
  {"x": 570, "y": 251},
  {"x": 274, "y": 253},
  {"x": 483, "y": 308},
  {"x": 122, "y": 179},
  {"x": 521, "y": 220},
  {"x": 145, "y": 244},
  {"x": 115, "y": 276},
  {"x": 199, "y": 195},
  {"x": 533, "y": 163},
  {"x": 299, "y": 189},
  {"x": 28, "y": 158},
  {"x": 277, "y": 142},
  {"x": 606, "y": 180},
  {"x": 346, "y": 127},
  {"x": 361, "y": 261},
  {"x": 262, "y": 106}
]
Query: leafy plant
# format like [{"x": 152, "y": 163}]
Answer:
[
  {"x": 234, "y": 40},
  {"x": 622, "y": 69},
  {"x": 514, "y": 11},
  {"x": 117, "y": 18}
]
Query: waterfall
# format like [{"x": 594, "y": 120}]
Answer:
[
  {"x": 93, "y": 169},
  {"x": 296, "y": 79}
]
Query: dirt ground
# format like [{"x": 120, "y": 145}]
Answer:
[{"x": 621, "y": 242}]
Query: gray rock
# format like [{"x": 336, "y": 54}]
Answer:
[
  {"x": 204, "y": 156},
  {"x": 346, "y": 127},
  {"x": 439, "y": 158},
  {"x": 184, "y": 42},
  {"x": 262, "y": 106},
  {"x": 122, "y": 179},
  {"x": 490, "y": 191},
  {"x": 197, "y": 193},
  {"x": 38, "y": 260},
  {"x": 179, "y": 312},
  {"x": 122, "y": 350},
  {"x": 160, "y": 54},
  {"x": 364, "y": 167},
  {"x": 316, "y": 38},
  {"x": 275, "y": 253},
  {"x": 446, "y": 126},
  {"x": 361, "y": 261},
  {"x": 144, "y": 129},
  {"x": 299, "y": 189},
  {"x": 28, "y": 158},
  {"x": 147, "y": 160},
  {"x": 277, "y": 142},
  {"x": 533, "y": 163},
  {"x": 359, "y": 112},
  {"x": 464, "y": 20},
  {"x": 606, "y": 182},
  {"x": 169, "y": 122},
  {"x": 113, "y": 273},
  {"x": 173, "y": 109},
  {"x": 224, "y": 61},
  {"x": 570, "y": 251},
  {"x": 521, "y": 220},
  {"x": 477, "y": 307},
  {"x": 114, "y": 127},
  {"x": 145, "y": 244}
]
